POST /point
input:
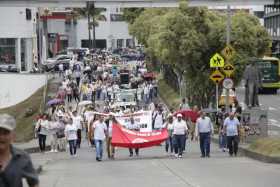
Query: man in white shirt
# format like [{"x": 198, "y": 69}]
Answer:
[
  {"x": 133, "y": 126},
  {"x": 77, "y": 121},
  {"x": 231, "y": 128},
  {"x": 180, "y": 130},
  {"x": 204, "y": 129},
  {"x": 100, "y": 131}
]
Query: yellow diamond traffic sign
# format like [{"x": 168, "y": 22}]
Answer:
[
  {"x": 228, "y": 52},
  {"x": 217, "y": 76},
  {"x": 217, "y": 61},
  {"x": 228, "y": 69}
]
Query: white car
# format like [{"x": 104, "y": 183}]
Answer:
[{"x": 50, "y": 63}]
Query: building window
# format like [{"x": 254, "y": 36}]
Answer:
[
  {"x": 119, "y": 43},
  {"x": 129, "y": 43},
  {"x": 116, "y": 17},
  {"x": 7, "y": 51},
  {"x": 259, "y": 14},
  {"x": 23, "y": 55}
]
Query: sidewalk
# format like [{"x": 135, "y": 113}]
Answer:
[{"x": 244, "y": 150}]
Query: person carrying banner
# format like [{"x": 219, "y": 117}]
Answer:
[
  {"x": 179, "y": 134},
  {"x": 110, "y": 148},
  {"x": 133, "y": 126},
  {"x": 99, "y": 129}
]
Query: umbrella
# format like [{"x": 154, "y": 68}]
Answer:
[
  {"x": 188, "y": 113},
  {"x": 55, "y": 102},
  {"x": 83, "y": 103}
]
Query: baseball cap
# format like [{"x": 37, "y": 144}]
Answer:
[
  {"x": 7, "y": 122},
  {"x": 179, "y": 115}
]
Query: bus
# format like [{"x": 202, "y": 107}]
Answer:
[{"x": 270, "y": 70}]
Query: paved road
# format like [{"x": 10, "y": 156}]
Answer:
[
  {"x": 153, "y": 168},
  {"x": 270, "y": 102}
]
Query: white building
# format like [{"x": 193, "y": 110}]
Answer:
[
  {"x": 18, "y": 37},
  {"x": 110, "y": 33}
]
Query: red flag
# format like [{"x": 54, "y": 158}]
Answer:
[{"x": 123, "y": 137}]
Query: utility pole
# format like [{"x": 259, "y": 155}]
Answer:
[{"x": 228, "y": 43}]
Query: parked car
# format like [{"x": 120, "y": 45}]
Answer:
[
  {"x": 8, "y": 68},
  {"x": 52, "y": 63}
]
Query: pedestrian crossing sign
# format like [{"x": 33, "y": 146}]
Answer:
[
  {"x": 217, "y": 76},
  {"x": 217, "y": 61},
  {"x": 228, "y": 52}
]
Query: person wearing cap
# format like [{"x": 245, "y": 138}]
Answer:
[
  {"x": 179, "y": 134},
  {"x": 204, "y": 128},
  {"x": 15, "y": 164},
  {"x": 231, "y": 129}
]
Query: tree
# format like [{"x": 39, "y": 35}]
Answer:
[
  {"x": 185, "y": 38},
  {"x": 93, "y": 15},
  {"x": 130, "y": 14}
]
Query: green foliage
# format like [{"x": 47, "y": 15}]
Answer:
[
  {"x": 187, "y": 37},
  {"x": 130, "y": 14}
]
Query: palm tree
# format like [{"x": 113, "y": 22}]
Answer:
[{"x": 93, "y": 15}]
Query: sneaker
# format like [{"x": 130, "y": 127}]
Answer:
[
  {"x": 176, "y": 155},
  {"x": 180, "y": 156},
  {"x": 130, "y": 155},
  {"x": 56, "y": 151}
]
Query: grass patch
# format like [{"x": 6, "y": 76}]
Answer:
[
  {"x": 266, "y": 146},
  {"x": 168, "y": 94},
  {"x": 25, "y": 122}
]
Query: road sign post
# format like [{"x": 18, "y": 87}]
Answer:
[
  {"x": 228, "y": 43},
  {"x": 217, "y": 77}
]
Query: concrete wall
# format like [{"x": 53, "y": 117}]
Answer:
[
  {"x": 14, "y": 24},
  {"x": 15, "y": 88}
]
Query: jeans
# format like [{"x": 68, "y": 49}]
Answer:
[
  {"x": 185, "y": 142},
  {"x": 110, "y": 148},
  {"x": 204, "y": 140},
  {"x": 222, "y": 141},
  {"x": 99, "y": 149},
  {"x": 79, "y": 135},
  {"x": 72, "y": 147},
  {"x": 168, "y": 143},
  {"x": 178, "y": 141},
  {"x": 42, "y": 142},
  {"x": 232, "y": 142},
  {"x": 131, "y": 151},
  {"x": 54, "y": 142}
]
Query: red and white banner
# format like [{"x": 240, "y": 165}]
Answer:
[
  {"x": 123, "y": 137},
  {"x": 142, "y": 118}
]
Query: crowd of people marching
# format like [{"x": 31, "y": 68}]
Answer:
[{"x": 95, "y": 82}]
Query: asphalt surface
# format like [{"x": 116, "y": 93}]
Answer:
[
  {"x": 154, "y": 168},
  {"x": 271, "y": 102}
]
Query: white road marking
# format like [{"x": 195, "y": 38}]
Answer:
[{"x": 272, "y": 108}]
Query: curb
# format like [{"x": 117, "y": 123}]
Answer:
[
  {"x": 253, "y": 155},
  {"x": 36, "y": 149}
]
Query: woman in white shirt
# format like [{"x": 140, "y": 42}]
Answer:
[
  {"x": 71, "y": 136},
  {"x": 179, "y": 135},
  {"x": 169, "y": 125},
  {"x": 42, "y": 130}
]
